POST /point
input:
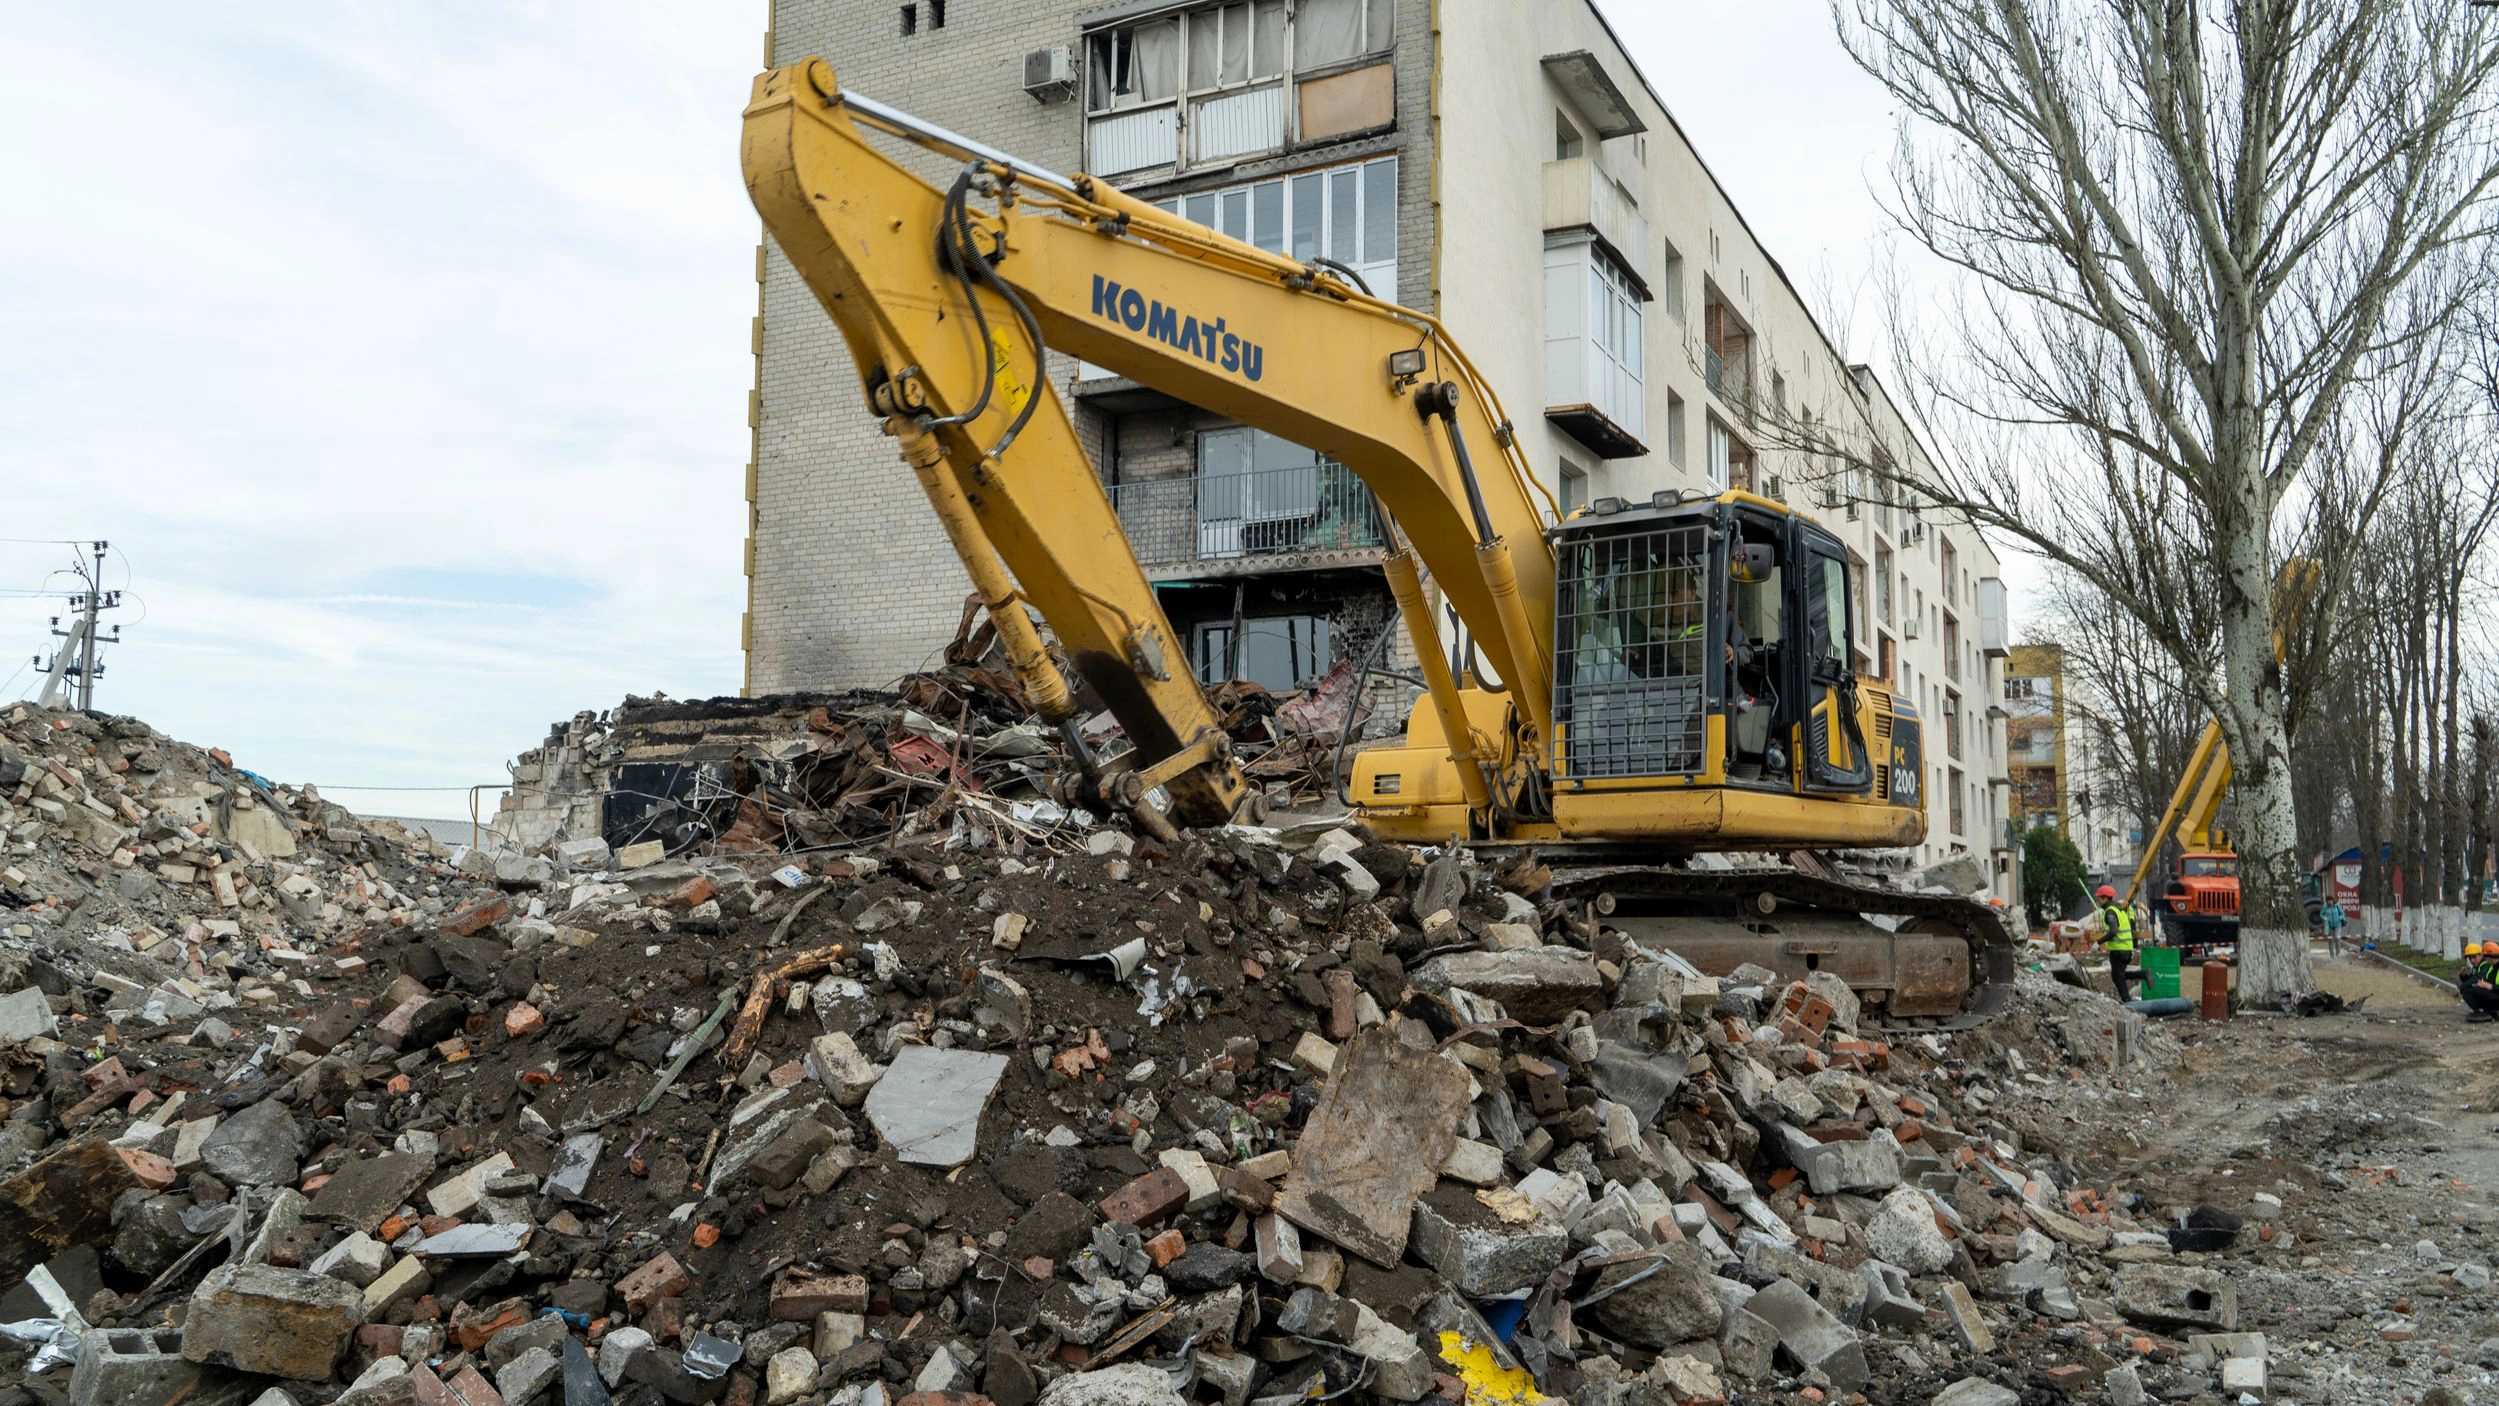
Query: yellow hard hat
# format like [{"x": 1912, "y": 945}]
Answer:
[{"x": 2472, "y": 949}]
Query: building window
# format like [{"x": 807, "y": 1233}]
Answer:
[
  {"x": 1952, "y": 570},
  {"x": 1276, "y": 652},
  {"x": 1593, "y": 347},
  {"x": 1567, "y": 143},
  {"x": 1614, "y": 314},
  {"x": 1345, "y": 213},
  {"x": 1231, "y": 45},
  {"x": 1674, "y": 429},
  {"x": 910, "y": 20},
  {"x": 1670, "y": 286},
  {"x": 1574, "y": 488},
  {"x": 1953, "y": 789},
  {"x": 1333, "y": 31},
  {"x": 1730, "y": 460},
  {"x": 1883, "y": 583},
  {"x": 1952, "y": 724},
  {"x": 1222, "y": 77},
  {"x": 1133, "y": 65},
  {"x": 1261, "y": 495}
]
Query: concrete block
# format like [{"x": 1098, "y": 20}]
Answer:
[
  {"x": 1889, "y": 1302},
  {"x": 1483, "y": 1256},
  {"x": 277, "y": 1322},
  {"x": 1904, "y": 1232},
  {"x": 2174, "y": 1296},
  {"x": 835, "y": 1062},
  {"x": 1811, "y": 1335},
  {"x": 1976, "y": 1391},
  {"x": 1747, "y": 1344},
  {"x": 26, "y": 1015},
  {"x": 132, "y": 1367},
  {"x": 1833, "y": 1167},
  {"x": 359, "y": 1259}
]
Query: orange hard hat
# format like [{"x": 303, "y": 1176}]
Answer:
[{"x": 2107, "y": 891}]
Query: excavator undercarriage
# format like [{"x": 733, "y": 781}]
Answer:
[{"x": 1919, "y": 961}]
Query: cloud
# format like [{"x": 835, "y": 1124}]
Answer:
[{"x": 401, "y": 350}]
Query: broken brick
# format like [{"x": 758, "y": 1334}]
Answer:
[
  {"x": 660, "y": 1277},
  {"x": 476, "y": 915},
  {"x": 799, "y": 1295},
  {"x": 1147, "y": 1199}
]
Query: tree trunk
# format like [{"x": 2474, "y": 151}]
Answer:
[{"x": 2273, "y": 928}]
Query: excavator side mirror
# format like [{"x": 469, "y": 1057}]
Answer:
[{"x": 1750, "y": 562}]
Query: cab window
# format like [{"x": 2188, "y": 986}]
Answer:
[{"x": 1826, "y": 616}]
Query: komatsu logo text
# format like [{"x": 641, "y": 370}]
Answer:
[{"x": 1177, "y": 330}]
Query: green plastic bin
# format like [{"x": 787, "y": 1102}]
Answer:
[{"x": 2160, "y": 972}]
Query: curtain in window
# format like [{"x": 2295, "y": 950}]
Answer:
[
  {"x": 1158, "y": 60},
  {"x": 1326, "y": 31},
  {"x": 1236, "y": 43},
  {"x": 1269, "y": 54},
  {"x": 1205, "y": 47}
]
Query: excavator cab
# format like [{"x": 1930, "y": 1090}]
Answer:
[{"x": 1707, "y": 642}]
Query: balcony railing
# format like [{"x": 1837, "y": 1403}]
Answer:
[
  {"x": 1258, "y": 513},
  {"x": 1717, "y": 371}
]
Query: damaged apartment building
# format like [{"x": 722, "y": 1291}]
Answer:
[{"x": 1505, "y": 167}]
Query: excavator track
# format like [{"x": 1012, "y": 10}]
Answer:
[{"x": 1947, "y": 964}]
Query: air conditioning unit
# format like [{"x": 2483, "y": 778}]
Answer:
[
  {"x": 1777, "y": 489},
  {"x": 1830, "y": 497},
  {"x": 1917, "y": 532},
  {"x": 1909, "y": 630},
  {"x": 1050, "y": 73}
]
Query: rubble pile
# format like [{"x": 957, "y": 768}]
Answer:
[
  {"x": 132, "y": 845},
  {"x": 954, "y": 748},
  {"x": 1053, "y": 1113}
]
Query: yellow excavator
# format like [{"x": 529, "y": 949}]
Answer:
[{"x": 1632, "y": 687}]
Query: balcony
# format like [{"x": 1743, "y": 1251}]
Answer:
[
  {"x": 1994, "y": 618},
  {"x": 1227, "y": 523},
  {"x": 1578, "y": 195}
]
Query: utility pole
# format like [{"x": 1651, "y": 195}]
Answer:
[{"x": 74, "y": 658}]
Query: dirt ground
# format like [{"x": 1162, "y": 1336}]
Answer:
[{"x": 2376, "y": 1128}]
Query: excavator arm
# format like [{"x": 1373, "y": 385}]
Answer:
[{"x": 947, "y": 294}]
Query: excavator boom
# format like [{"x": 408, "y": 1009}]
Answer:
[{"x": 947, "y": 310}]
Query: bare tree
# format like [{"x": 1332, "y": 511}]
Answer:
[
  {"x": 2186, "y": 233},
  {"x": 2139, "y": 718}
]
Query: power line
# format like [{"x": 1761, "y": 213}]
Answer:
[{"x": 334, "y": 786}]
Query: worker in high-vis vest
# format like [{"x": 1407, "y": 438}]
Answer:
[
  {"x": 2117, "y": 939},
  {"x": 2478, "y": 982}
]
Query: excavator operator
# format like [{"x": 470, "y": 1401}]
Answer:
[{"x": 1753, "y": 574}]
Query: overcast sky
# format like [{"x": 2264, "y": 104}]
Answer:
[{"x": 401, "y": 351}]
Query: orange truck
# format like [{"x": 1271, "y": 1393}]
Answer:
[{"x": 2198, "y": 908}]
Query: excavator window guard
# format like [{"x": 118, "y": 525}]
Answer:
[{"x": 1633, "y": 630}]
